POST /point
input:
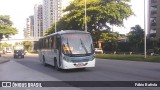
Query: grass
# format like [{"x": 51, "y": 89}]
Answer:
[{"x": 129, "y": 57}]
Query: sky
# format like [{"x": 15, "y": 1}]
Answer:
[
  {"x": 19, "y": 10},
  {"x": 137, "y": 19}
]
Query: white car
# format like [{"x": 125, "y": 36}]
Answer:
[
  {"x": 98, "y": 51},
  {"x": 9, "y": 51}
]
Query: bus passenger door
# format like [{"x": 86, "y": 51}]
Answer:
[
  {"x": 58, "y": 50},
  {"x": 51, "y": 50}
]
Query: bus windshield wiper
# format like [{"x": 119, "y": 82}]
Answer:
[
  {"x": 84, "y": 46},
  {"x": 69, "y": 47}
]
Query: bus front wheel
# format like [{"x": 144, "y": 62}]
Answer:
[
  {"x": 56, "y": 65},
  {"x": 44, "y": 62}
]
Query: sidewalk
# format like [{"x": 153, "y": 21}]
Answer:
[{"x": 3, "y": 59}]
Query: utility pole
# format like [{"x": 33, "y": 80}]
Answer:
[
  {"x": 85, "y": 17},
  {"x": 144, "y": 30},
  {"x": 55, "y": 20}
]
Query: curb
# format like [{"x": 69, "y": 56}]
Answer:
[{"x": 3, "y": 60}]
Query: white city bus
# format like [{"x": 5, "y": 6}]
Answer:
[{"x": 67, "y": 49}]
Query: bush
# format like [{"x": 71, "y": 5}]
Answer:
[{"x": 134, "y": 57}]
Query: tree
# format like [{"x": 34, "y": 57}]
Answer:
[
  {"x": 27, "y": 45},
  {"x": 136, "y": 37},
  {"x": 6, "y": 28},
  {"x": 5, "y": 45},
  {"x": 111, "y": 39},
  {"x": 99, "y": 12},
  {"x": 111, "y": 36}
]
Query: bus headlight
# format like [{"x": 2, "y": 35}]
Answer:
[
  {"x": 66, "y": 59},
  {"x": 93, "y": 57}
]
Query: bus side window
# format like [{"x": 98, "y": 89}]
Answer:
[
  {"x": 40, "y": 44},
  {"x": 50, "y": 42},
  {"x": 47, "y": 43},
  {"x": 54, "y": 42},
  {"x": 43, "y": 43}
]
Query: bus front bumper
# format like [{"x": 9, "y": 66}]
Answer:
[{"x": 72, "y": 65}]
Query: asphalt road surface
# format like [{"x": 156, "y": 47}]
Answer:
[{"x": 30, "y": 69}]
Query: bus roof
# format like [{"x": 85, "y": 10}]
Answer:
[
  {"x": 71, "y": 31},
  {"x": 66, "y": 31}
]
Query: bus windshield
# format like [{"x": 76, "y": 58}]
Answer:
[{"x": 77, "y": 44}]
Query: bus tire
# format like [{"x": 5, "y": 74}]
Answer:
[
  {"x": 44, "y": 62},
  {"x": 56, "y": 65}
]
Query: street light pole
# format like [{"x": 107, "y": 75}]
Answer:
[
  {"x": 55, "y": 20},
  {"x": 85, "y": 17},
  {"x": 144, "y": 31}
]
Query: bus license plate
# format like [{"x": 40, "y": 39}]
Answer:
[{"x": 79, "y": 64}]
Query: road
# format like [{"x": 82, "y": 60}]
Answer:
[{"x": 30, "y": 69}]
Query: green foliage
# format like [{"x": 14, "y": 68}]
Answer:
[
  {"x": 123, "y": 47},
  {"x": 6, "y": 45},
  {"x": 27, "y": 45},
  {"x": 110, "y": 40},
  {"x": 136, "y": 37},
  {"x": 129, "y": 57},
  {"x": 6, "y": 19},
  {"x": 6, "y": 28},
  {"x": 111, "y": 36},
  {"x": 99, "y": 12}
]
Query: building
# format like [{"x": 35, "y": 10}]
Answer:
[
  {"x": 38, "y": 21},
  {"x": 154, "y": 19},
  {"x": 31, "y": 19},
  {"x": 52, "y": 12},
  {"x": 29, "y": 30},
  {"x": 25, "y": 32}
]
